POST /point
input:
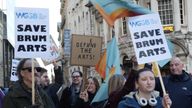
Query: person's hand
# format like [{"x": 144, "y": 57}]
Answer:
[
  {"x": 166, "y": 101},
  {"x": 84, "y": 95}
]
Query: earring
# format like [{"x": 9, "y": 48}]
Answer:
[{"x": 152, "y": 101}]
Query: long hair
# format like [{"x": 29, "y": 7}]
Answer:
[
  {"x": 116, "y": 83},
  {"x": 129, "y": 84},
  {"x": 96, "y": 82},
  {"x": 20, "y": 66}
]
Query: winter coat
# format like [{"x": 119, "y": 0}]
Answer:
[
  {"x": 131, "y": 102},
  {"x": 113, "y": 100},
  {"x": 69, "y": 98},
  {"x": 53, "y": 88},
  {"x": 82, "y": 104},
  {"x": 179, "y": 88},
  {"x": 116, "y": 96},
  {"x": 17, "y": 97}
]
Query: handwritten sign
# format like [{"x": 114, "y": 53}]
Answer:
[{"x": 85, "y": 50}]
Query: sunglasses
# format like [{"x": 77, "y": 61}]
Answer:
[{"x": 38, "y": 69}]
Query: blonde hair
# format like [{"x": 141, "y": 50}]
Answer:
[{"x": 116, "y": 83}]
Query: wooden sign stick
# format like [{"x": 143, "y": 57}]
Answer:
[
  {"x": 33, "y": 83},
  {"x": 161, "y": 81}
]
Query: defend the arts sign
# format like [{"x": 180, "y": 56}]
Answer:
[
  {"x": 85, "y": 50},
  {"x": 32, "y": 32},
  {"x": 148, "y": 38}
]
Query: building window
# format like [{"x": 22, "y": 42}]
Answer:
[
  {"x": 101, "y": 29},
  {"x": 79, "y": 20},
  {"x": 124, "y": 24},
  {"x": 75, "y": 24},
  {"x": 149, "y": 5},
  {"x": 181, "y": 6},
  {"x": 135, "y": 1},
  {"x": 165, "y": 11}
]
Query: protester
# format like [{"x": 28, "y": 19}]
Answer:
[
  {"x": 144, "y": 96},
  {"x": 20, "y": 94},
  {"x": 71, "y": 94},
  {"x": 117, "y": 89},
  {"x": 126, "y": 69},
  {"x": 44, "y": 80},
  {"x": 57, "y": 83},
  {"x": 88, "y": 94},
  {"x": 116, "y": 83},
  {"x": 178, "y": 84},
  {"x": 126, "y": 66},
  {"x": 135, "y": 64}
]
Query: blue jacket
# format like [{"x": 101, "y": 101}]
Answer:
[
  {"x": 179, "y": 88},
  {"x": 131, "y": 102}
]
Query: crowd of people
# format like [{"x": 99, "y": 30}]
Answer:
[{"x": 135, "y": 88}]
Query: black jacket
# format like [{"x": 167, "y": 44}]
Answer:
[
  {"x": 69, "y": 98},
  {"x": 82, "y": 104},
  {"x": 53, "y": 88},
  {"x": 17, "y": 97}
]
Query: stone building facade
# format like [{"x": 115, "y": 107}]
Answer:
[
  {"x": 82, "y": 18},
  {"x": 7, "y": 51}
]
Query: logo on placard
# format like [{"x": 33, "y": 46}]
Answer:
[
  {"x": 29, "y": 15},
  {"x": 144, "y": 22}
]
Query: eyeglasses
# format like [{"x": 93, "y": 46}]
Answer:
[
  {"x": 38, "y": 69},
  {"x": 75, "y": 76}
]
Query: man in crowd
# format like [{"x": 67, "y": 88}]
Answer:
[
  {"x": 20, "y": 94},
  {"x": 71, "y": 94},
  {"x": 178, "y": 85},
  {"x": 57, "y": 83},
  {"x": 44, "y": 80}
]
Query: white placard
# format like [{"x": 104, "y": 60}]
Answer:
[
  {"x": 148, "y": 38},
  {"x": 32, "y": 32},
  {"x": 14, "y": 76}
]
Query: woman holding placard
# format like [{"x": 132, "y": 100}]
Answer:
[{"x": 145, "y": 96}]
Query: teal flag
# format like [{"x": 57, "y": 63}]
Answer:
[
  {"x": 114, "y": 9},
  {"x": 171, "y": 48},
  {"x": 112, "y": 62}
]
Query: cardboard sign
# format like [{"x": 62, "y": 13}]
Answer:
[
  {"x": 32, "y": 32},
  {"x": 148, "y": 38},
  {"x": 14, "y": 76},
  {"x": 85, "y": 50}
]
